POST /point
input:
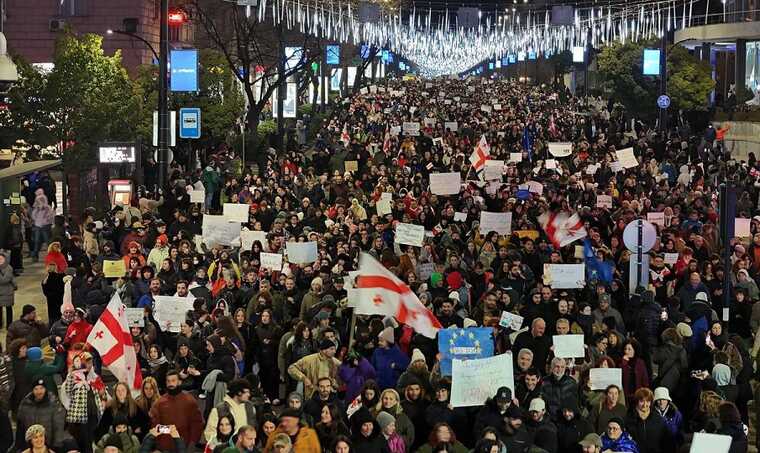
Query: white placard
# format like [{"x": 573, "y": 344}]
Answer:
[
  {"x": 656, "y": 218},
  {"x": 475, "y": 381},
  {"x": 453, "y": 126},
  {"x": 741, "y": 228},
  {"x": 615, "y": 166},
  {"x": 301, "y": 252},
  {"x": 197, "y": 196},
  {"x": 135, "y": 317},
  {"x": 535, "y": 187},
  {"x": 486, "y": 108},
  {"x": 272, "y": 261},
  {"x": 626, "y": 158},
  {"x": 494, "y": 170},
  {"x": 236, "y": 212},
  {"x": 395, "y": 130},
  {"x": 500, "y": 222},
  {"x": 592, "y": 169},
  {"x": 497, "y": 107},
  {"x": 383, "y": 206},
  {"x": 560, "y": 149},
  {"x": 247, "y": 238},
  {"x": 218, "y": 230},
  {"x": 171, "y": 311},
  {"x": 411, "y": 128},
  {"x": 670, "y": 258},
  {"x": 710, "y": 443},
  {"x": 604, "y": 201},
  {"x": 386, "y": 195},
  {"x": 551, "y": 164},
  {"x": 601, "y": 378},
  {"x": 568, "y": 346},
  {"x": 410, "y": 234},
  {"x": 446, "y": 183},
  {"x": 565, "y": 276},
  {"x": 425, "y": 270},
  {"x": 460, "y": 216},
  {"x": 511, "y": 320},
  {"x": 515, "y": 157}
]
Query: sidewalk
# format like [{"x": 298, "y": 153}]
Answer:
[{"x": 29, "y": 292}]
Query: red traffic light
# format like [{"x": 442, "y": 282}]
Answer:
[{"x": 177, "y": 17}]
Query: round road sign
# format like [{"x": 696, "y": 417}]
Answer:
[
  {"x": 631, "y": 236},
  {"x": 663, "y": 101}
]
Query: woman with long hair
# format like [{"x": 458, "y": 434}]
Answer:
[
  {"x": 149, "y": 394},
  {"x": 267, "y": 425},
  {"x": 266, "y": 342},
  {"x": 158, "y": 365},
  {"x": 226, "y": 327},
  {"x": 442, "y": 437},
  {"x": 330, "y": 425},
  {"x": 610, "y": 407},
  {"x": 225, "y": 429},
  {"x": 122, "y": 404},
  {"x": 390, "y": 403},
  {"x": 635, "y": 374}
]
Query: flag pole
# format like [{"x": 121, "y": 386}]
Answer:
[{"x": 352, "y": 328}]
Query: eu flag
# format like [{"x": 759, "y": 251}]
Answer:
[{"x": 464, "y": 344}]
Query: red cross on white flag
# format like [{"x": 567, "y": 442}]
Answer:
[{"x": 481, "y": 154}]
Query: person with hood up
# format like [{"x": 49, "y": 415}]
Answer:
[
  {"x": 42, "y": 216},
  {"x": 390, "y": 403},
  {"x": 366, "y": 436},
  {"x": 731, "y": 425},
  {"x": 671, "y": 359},
  {"x": 415, "y": 404},
  {"x": 41, "y": 407},
  {"x": 616, "y": 438},
  {"x": 53, "y": 289},
  {"x": 670, "y": 414},
  {"x": 134, "y": 251},
  {"x": 8, "y": 288},
  {"x": 388, "y": 360},
  {"x": 119, "y": 435},
  {"x": 56, "y": 256},
  {"x": 354, "y": 372},
  {"x": 572, "y": 427},
  {"x": 747, "y": 283}
]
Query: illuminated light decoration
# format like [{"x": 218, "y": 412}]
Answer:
[{"x": 439, "y": 46}]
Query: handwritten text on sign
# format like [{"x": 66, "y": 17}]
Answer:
[{"x": 474, "y": 381}]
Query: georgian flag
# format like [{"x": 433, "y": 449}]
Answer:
[
  {"x": 379, "y": 292},
  {"x": 110, "y": 336},
  {"x": 344, "y": 137},
  {"x": 562, "y": 228},
  {"x": 479, "y": 157}
]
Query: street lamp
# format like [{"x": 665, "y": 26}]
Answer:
[{"x": 137, "y": 37}]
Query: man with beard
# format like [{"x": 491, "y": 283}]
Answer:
[
  {"x": 542, "y": 430},
  {"x": 514, "y": 434},
  {"x": 414, "y": 405},
  {"x": 179, "y": 408},
  {"x": 558, "y": 388},
  {"x": 528, "y": 388},
  {"x": 289, "y": 306}
]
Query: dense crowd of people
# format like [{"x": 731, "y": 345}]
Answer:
[{"x": 275, "y": 360}]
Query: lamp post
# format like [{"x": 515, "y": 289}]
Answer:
[
  {"x": 137, "y": 37},
  {"x": 163, "y": 91}
]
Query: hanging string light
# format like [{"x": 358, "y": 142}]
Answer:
[{"x": 439, "y": 47}]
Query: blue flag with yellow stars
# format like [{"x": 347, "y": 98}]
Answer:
[{"x": 464, "y": 344}]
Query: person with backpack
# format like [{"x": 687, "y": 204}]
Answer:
[{"x": 237, "y": 404}]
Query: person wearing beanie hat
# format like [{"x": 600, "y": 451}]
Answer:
[
  {"x": 27, "y": 327},
  {"x": 387, "y": 423},
  {"x": 40, "y": 407},
  {"x": 314, "y": 366},
  {"x": 311, "y": 298},
  {"x": 616, "y": 438},
  {"x": 388, "y": 360}
]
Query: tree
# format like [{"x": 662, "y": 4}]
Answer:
[
  {"x": 219, "y": 98},
  {"x": 562, "y": 63},
  {"x": 87, "y": 98},
  {"x": 689, "y": 79},
  {"x": 247, "y": 44}
]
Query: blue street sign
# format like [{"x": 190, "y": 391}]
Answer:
[
  {"x": 663, "y": 101},
  {"x": 190, "y": 122}
]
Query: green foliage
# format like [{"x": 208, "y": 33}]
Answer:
[
  {"x": 220, "y": 99},
  {"x": 562, "y": 62},
  {"x": 620, "y": 66},
  {"x": 85, "y": 99},
  {"x": 267, "y": 127}
]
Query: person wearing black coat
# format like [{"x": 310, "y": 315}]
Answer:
[
  {"x": 415, "y": 405},
  {"x": 731, "y": 425},
  {"x": 571, "y": 428},
  {"x": 646, "y": 426},
  {"x": 494, "y": 411},
  {"x": 365, "y": 433},
  {"x": 52, "y": 288},
  {"x": 220, "y": 358},
  {"x": 515, "y": 434}
]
